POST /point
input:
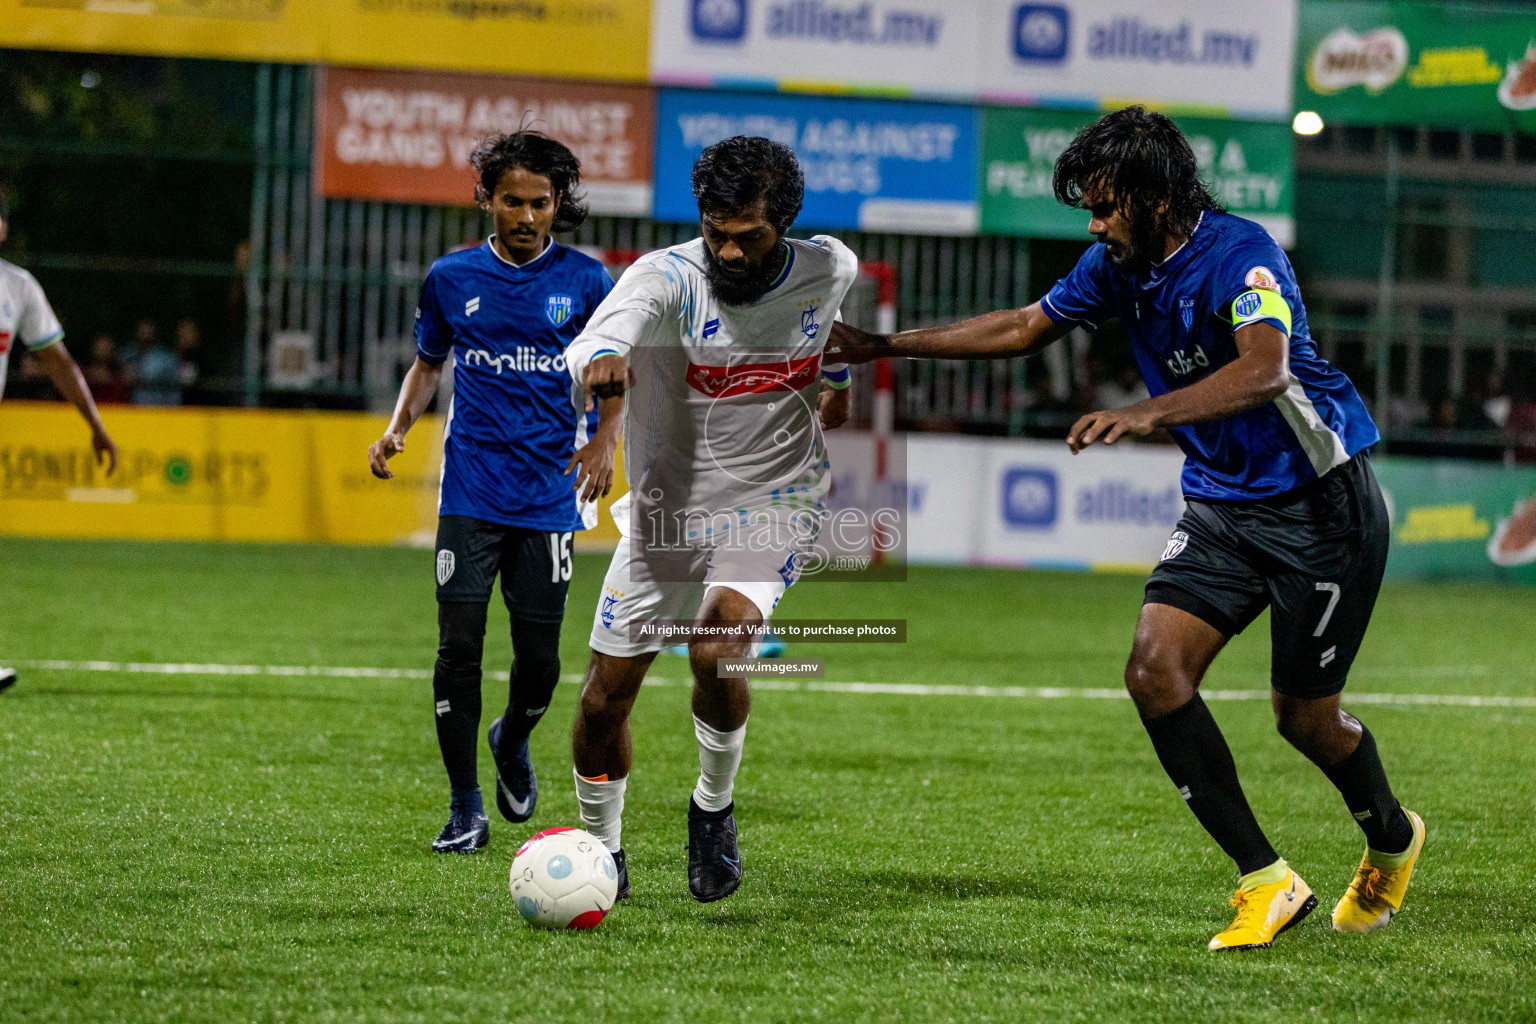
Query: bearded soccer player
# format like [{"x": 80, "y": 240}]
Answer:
[
  {"x": 25, "y": 316},
  {"x": 1283, "y": 510},
  {"x": 719, "y": 344},
  {"x": 505, "y": 311}
]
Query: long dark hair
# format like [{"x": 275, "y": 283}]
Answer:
[
  {"x": 735, "y": 173},
  {"x": 538, "y": 154},
  {"x": 1144, "y": 160}
]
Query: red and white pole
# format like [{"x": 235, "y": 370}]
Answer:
[{"x": 884, "y": 418}]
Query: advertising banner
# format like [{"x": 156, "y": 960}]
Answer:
[
  {"x": 404, "y": 136},
  {"x": 225, "y": 474},
  {"x": 1416, "y": 63},
  {"x": 1248, "y": 165},
  {"x": 1032, "y": 504},
  {"x": 891, "y": 47},
  {"x": 1460, "y": 520},
  {"x": 1219, "y": 58},
  {"x": 605, "y": 39},
  {"x": 214, "y": 474},
  {"x": 275, "y": 30},
  {"x": 870, "y": 165}
]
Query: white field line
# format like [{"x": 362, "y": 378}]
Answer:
[{"x": 802, "y": 686}]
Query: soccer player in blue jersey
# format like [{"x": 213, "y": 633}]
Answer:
[
  {"x": 1283, "y": 510},
  {"x": 505, "y": 311}
]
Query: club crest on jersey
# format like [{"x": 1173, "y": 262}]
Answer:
[
  {"x": 1176, "y": 543},
  {"x": 1248, "y": 304},
  {"x": 444, "y": 566},
  {"x": 559, "y": 308},
  {"x": 1261, "y": 277},
  {"x": 808, "y": 325},
  {"x": 1187, "y": 312},
  {"x": 610, "y": 602}
]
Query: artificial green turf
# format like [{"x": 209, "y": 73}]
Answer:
[{"x": 206, "y": 848}]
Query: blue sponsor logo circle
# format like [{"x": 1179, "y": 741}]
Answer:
[
  {"x": 718, "y": 21},
  {"x": 1041, "y": 33},
  {"x": 1029, "y": 498},
  {"x": 559, "y": 866}
]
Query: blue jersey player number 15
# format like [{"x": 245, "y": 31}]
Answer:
[{"x": 515, "y": 435}]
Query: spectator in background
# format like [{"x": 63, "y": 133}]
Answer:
[
  {"x": 1520, "y": 427},
  {"x": 1445, "y": 412},
  {"x": 189, "y": 338},
  {"x": 104, "y": 372},
  {"x": 154, "y": 369},
  {"x": 1122, "y": 391},
  {"x": 1496, "y": 398}
]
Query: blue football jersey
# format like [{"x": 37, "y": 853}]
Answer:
[
  {"x": 1181, "y": 318},
  {"x": 513, "y": 423}
]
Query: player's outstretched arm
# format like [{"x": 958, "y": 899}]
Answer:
[
  {"x": 607, "y": 376},
  {"x": 834, "y": 405},
  {"x": 66, "y": 376},
  {"x": 596, "y": 456},
  {"x": 416, "y": 392},
  {"x": 999, "y": 335},
  {"x": 1260, "y": 373}
]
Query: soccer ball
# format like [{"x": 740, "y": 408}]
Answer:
[{"x": 564, "y": 878}]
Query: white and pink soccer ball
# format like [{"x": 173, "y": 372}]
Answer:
[{"x": 564, "y": 878}]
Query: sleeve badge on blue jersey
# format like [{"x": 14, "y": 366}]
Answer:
[
  {"x": 1261, "y": 277},
  {"x": 1248, "y": 304},
  {"x": 559, "y": 308}
]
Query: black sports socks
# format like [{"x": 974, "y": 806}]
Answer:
[
  {"x": 456, "y": 688},
  {"x": 1362, "y": 781},
  {"x": 535, "y": 674},
  {"x": 456, "y": 691},
  {"x": 1196, "y": 757}
]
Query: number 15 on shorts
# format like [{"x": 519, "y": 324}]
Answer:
[{"x": 559, "y": 557}]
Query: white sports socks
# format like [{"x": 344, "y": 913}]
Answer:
[
  {"x": 719, "y": 757},
  {"x": 602, "y": 808}
]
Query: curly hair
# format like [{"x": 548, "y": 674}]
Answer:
[
  {"x": 536, "y": 153},
  {"x": 1144, "y": 160},
  {"x": 736, "y": 173}
]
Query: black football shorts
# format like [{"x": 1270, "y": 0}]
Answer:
[
  {"x": 1313, "y": 556},
  {"x": 535, "y": 566}
]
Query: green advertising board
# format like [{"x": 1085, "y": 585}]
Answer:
[
  {"x": 1248, "y": 164},
  {"x": 1456, "y": 65},
  {"x": 1460, "y": 520}
]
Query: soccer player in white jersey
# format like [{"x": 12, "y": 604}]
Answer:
[
  {"x": 26, "y": 317},
  {"x": 718, "y": 345}
]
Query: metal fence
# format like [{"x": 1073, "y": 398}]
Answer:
[{"x": 345, "y": 274}]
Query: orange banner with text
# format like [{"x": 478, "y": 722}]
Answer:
[
  {"x": 222, "y": 474},
  {"x": 405, "y": 136}
]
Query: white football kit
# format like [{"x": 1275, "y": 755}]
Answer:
[
  {"x": 722, "y": 440},
  {"x": 25, "y": 315}
]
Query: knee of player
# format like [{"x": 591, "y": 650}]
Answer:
[
  {"x": 460, "y": 633},
  {"x": 703, "y": 655},
  {"x": 459, "y": 650},
  {"x": 536, "y": 648},
  {"x": 1301, "y": 727},
  {"x": 1148, "y": 676},
  {"x": 598, "y": 707}
]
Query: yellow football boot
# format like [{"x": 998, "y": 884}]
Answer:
[
  {"x": 1264, "y": 911},
  {"x": 1381, "y": 882}
]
